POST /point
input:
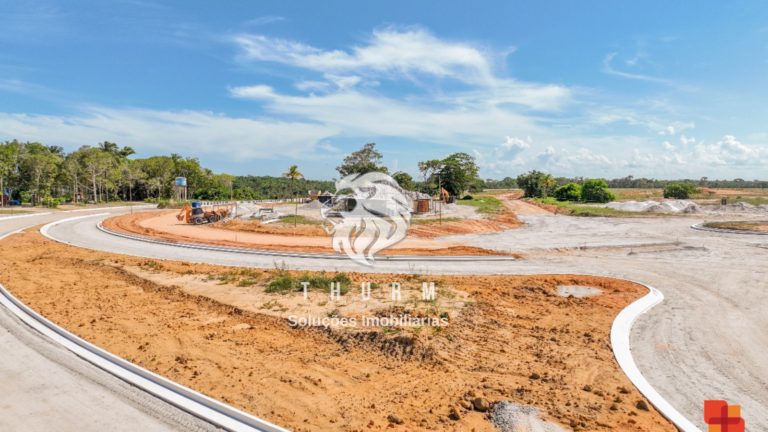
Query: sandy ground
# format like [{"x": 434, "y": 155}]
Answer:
[
  {"x": 516, "y": 340},
  {"x": 520, "y": 207},
  {"x": 165, "y": 226},
  {"x": 685, "y": 353},
  {"x": 45, "y": 387}
]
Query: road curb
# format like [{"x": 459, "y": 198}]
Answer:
[
  {"x": 2, "y": 218},
  {"x": 175, "y": 394},
  {"x": 620, "y": 333},
  {"x": 727, "y": 231},
  {"x": 282, "y": 254}
]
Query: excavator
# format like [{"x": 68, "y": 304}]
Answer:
[
  {"x": 194, "y": 214},
  {"x": 444, "y": 195}
]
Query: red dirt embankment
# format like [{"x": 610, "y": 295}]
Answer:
[
  {"x": 166, "y": 227},
  {"x": 516, "y": 340}
]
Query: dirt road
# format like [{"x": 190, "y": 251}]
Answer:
[
  {"x": 703, "y": 342},
  {"x": 45, "y": 387}
]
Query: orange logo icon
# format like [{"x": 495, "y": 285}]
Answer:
[{"x": 722, "y": 417}]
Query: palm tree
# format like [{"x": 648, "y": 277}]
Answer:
[
  {"x": 549, "y": 183},
  {"x": 293, "y": 174}
]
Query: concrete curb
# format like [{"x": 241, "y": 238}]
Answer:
[
  {"x": 620, "y": 338},
  {"x": 620, "y": 332},
  {"x": 2, "y": 218},
  {"x": 110, "y": 208},
  {"x": 727, "y": 231},
  {"x": 182, "y": 397},
  {"x": 299, "y": 254}
]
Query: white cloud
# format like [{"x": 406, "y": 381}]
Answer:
[
  {"x": 729, "y": 151},
  {"x": 668, "y": 146},
  {"x": 512, "y": 146},
  {"x": 607, "y": 68},
  {"x": 389, "y": 52},
  {"x": 685, "y": 141},
  {"x": 360, "y": 113},
  {"x": 409, "y": 55},
  {"x": 268, "y": 19},
  {"x": 152, "y": 131}
]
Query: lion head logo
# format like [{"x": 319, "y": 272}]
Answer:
[{"x": 373, "y": 217}]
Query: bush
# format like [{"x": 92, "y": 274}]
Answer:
[
  {"x": 320, "y": 281},
  {"x": 569, "y": 192},
  {"x": 596, "y": 190},
  {"x": 51, "y": 202},
  {"x": 679, "y": 190},
  {"x": 536, "y": 184},
  {"x": 467, "y": 197},
  {"x": 281, "y": 285}
]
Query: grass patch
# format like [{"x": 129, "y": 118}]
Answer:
[
  {"x": 576, "y": 209},
  {"x": 484, "y": 204},
  {"x": 298, "y": 220},
  {"x": 13, "y": 211},
  {"x": 282, "y": 284},
  {"x": 753, "y": 201}
]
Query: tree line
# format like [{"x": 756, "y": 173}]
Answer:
[
  {"x": 33, "y": 172},
  {"x": 36, "y": 173}
]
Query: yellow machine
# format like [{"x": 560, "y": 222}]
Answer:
[
  {"x": 444, "y": 195},
  {"x": 192, "y": 214}
]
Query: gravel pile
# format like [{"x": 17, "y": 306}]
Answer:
[
  {"x": 674, "y": 206},
  {"x": 314, "y": 205},
  {"x": 511, "y": 417}
]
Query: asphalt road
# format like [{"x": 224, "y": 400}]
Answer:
[{"x": 45, "y": 388}]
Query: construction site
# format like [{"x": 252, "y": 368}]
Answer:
[
  {"x": 204, "y": 296},
  {"x": 383, "y": 216}
]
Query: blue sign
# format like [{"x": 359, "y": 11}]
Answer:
[{"x": 181, "y": 181}]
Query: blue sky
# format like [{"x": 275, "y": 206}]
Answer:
[{"x": 597, "y": 89}]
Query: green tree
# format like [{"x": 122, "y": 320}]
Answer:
[
  {"x": 294, "y": 174},
  {"x": 680, "y": 190},
  {"x": 365, "y": 160},
  {"x": 569, "y": 192},
  {"x": 536, "y": 184},
  {"x": 458, "y": 172},
  {"x": 596, "y": 190},
  {"x": 39, "y": 166},
  {"x": 9, "y": 153},
  {"x": 95, "y": 163},
  {"x": 404, "y": 180}
]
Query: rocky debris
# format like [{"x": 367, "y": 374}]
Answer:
[
  {"x": 511, "y": 417},
  {"x": 394, "y": 419},
  {"x": 481, "y": 404},
  {"x": 642, "y": 405},
  {"x": 455, "y": 413},
  {"x": 687, "y": 207},
  {"x": 314, "y": 205},
  {"x": 672, "y": 206}
]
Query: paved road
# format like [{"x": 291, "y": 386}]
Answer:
[
  {"x": 707, "y": 340},
  {"x": 44, "y": 387}
]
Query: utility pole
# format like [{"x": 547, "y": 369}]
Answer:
[{"x": 440, "y": 194}]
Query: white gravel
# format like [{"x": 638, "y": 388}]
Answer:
[
  {"x": 512, "y": 417},
  {"x": 682, "y": 206},
  {"x": 577, "y": 291}
]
